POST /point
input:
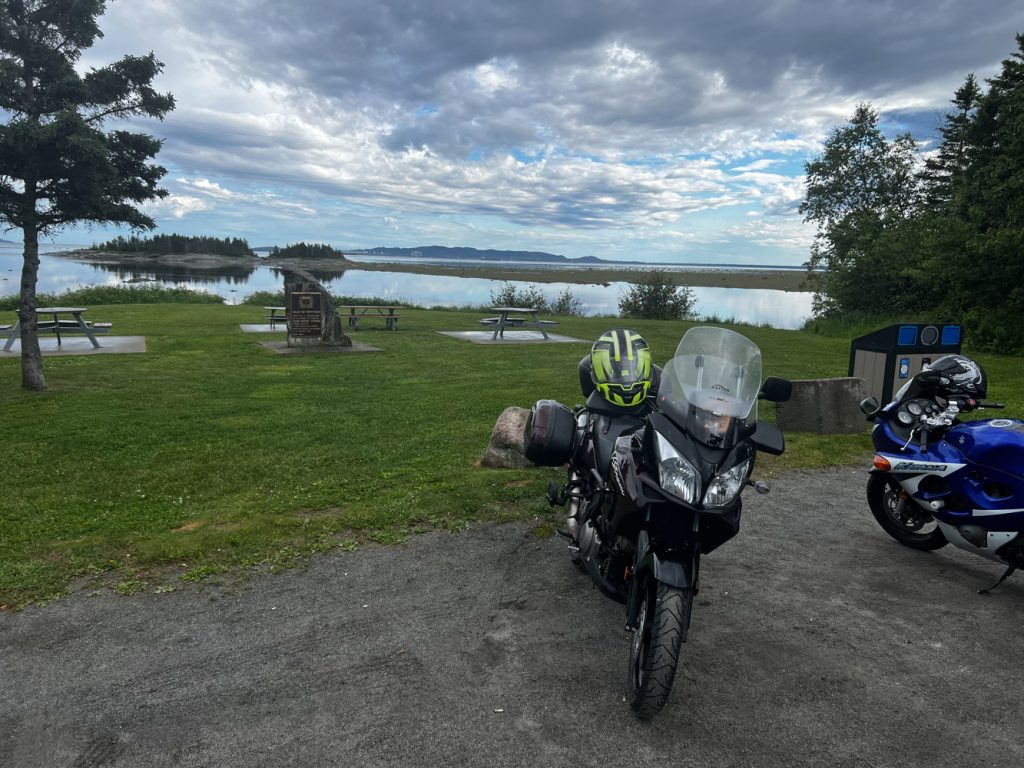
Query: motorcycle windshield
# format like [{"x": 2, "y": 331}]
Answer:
[{"x": 710, "y": 387}]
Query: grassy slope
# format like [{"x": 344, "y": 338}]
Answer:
[{"x": 210, "y": 452}]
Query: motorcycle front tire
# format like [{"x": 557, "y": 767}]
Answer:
[
  {"x": 883, "y": 497},
  {"x": 654, "y": 649}
]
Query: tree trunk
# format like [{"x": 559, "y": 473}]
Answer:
[{"x": 31, "y": 357}]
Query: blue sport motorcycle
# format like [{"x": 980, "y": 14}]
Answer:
[{"x": 937, "y": 480}]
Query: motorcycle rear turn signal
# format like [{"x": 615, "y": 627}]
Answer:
[{"x": 882, "y": 463}]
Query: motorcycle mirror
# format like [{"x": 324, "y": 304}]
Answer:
[
  {"x": 869, "y": 406},
  {"x": 776, "y": 390}
]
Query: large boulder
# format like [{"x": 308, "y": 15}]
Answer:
[
  {"x": 505, "y": 450},
  {"x": 824, "y": 407},
  {"x": 331, "y": 332}
]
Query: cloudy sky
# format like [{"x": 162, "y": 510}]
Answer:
[{"x": 639, "y": 129}]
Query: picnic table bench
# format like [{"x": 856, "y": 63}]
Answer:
[
  {"x": 516, "y": 317},
  {"x": 57, "y": 325},
  {"x": 277, "y": 315},
  {"x": 358, "y": 311}
]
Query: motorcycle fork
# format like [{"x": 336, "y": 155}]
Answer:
[{"x": 644, "y": 573}]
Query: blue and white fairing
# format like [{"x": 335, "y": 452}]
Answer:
[{"x": 973, "y": 475}]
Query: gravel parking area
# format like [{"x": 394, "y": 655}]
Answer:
[{"x": 816, "y": 641}]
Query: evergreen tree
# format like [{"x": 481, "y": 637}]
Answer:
[
  {"x": 944, "y": 171},
  {"x": 58, "y": 166},
  {"x": 989, "y": 204}
]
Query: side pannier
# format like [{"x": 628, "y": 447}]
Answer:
[{"x": 550, "y": 429}]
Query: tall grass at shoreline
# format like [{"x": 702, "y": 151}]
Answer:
[{"x": 116, "y": 294}]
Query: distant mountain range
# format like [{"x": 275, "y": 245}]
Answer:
[
  {"x": 445, "y": 253},
  {"x": 454, "y": 254}
]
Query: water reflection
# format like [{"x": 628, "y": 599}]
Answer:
[
  {"x": 176, "y": 273},
  {"x": 322, "y": 275},
  {"x": 781, "y": 309}
]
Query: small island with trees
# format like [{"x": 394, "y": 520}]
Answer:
[{"x": 205, "y": 251}]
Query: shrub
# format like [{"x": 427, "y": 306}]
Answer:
[
  {"x": 510, "y": 296},
  {"x": 264, "y": 299},
  {"x": 116, "y": 294},
  {"x": 276, "y": 298},
  {"x": 657, "y": 298},
  {"x": 566, "y": 303}
]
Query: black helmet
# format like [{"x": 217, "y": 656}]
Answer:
[{"x": 960, "y": 376}]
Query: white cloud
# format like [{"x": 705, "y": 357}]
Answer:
[
  {"x": 573, "y": 124},
  {"x": 175, "y": 206}
]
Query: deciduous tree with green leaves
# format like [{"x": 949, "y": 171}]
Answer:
[
  {"x": 58, "y": 164},
  {"x": 860, "y": 187}
]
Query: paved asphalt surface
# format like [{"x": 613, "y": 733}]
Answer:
[{"x": 816, "y": 641}]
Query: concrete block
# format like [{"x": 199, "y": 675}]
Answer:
[{"x": 824, "y": 407}]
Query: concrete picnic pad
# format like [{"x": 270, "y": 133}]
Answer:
[
  {"x": 513, "y": 337},
  {"x": 80, "y": 345}
]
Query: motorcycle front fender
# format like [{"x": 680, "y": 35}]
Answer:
[{"x": 649, "y": 564}]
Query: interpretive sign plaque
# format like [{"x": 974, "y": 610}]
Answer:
[{"x": 305, "y": 315}]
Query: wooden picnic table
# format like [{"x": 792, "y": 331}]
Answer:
[
  {"x": 515, "y": 317},
  {"x": 357, "y": 311},
  {"x": 277, "y": 315},
  {"x": 75, "y": 324}
]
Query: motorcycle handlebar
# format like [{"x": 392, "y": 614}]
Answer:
[{"x": 970, "y": 404}]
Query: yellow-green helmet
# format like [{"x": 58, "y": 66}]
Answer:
[{"x": 621, "y": 366}]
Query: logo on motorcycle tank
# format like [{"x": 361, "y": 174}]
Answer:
[{"x": 918, "y": 466}]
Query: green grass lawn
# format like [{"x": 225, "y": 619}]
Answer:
[{"x": 209, "y": 453}]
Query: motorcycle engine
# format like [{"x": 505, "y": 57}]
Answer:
[{"x": 589, "y": 540}]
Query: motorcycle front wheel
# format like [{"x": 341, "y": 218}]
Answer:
[
  {"x": 654, "y": 650},
  {"x": 900, "y": 517}
]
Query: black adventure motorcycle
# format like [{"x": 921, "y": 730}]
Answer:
[{"x": 654, "y": 483}]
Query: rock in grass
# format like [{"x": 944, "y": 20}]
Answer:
[
  {"x": 505, "y": 450},
  {"x": 326, "y": 330}
]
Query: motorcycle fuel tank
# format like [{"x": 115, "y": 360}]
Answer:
[{"x": 992, "y": 443}]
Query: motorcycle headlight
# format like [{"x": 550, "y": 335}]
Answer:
[
  {"x": 725, "y": 487},
  {"x": 676, "y": 475}
]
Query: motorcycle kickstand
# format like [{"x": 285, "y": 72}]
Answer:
[{"x": 988, "y": 590}]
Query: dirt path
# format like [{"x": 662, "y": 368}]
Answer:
[{"x": 816, "y": 641}]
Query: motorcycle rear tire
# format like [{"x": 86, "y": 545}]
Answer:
[
  {"x": 883, "y": 496},
  {"x": 654, "y": 650}
]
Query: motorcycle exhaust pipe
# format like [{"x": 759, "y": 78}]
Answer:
[{"x": 572, "y": 522}]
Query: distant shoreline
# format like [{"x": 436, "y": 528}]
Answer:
[{"x": 703, "y": 277}]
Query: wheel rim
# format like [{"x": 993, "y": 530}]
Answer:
[{"x": 904, "y": 514}]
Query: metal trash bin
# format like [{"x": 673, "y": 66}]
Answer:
[{"x": 885, "y": 359}]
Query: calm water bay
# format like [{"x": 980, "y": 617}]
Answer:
[{"x": 781, "y": 309}]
